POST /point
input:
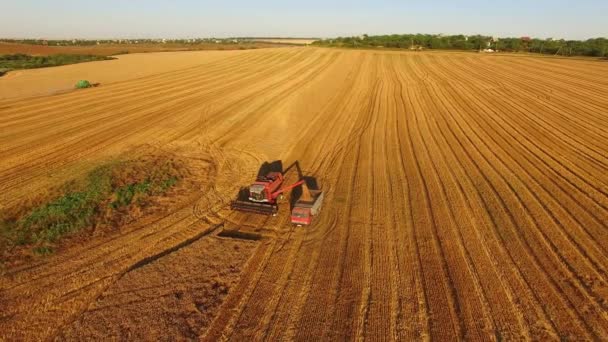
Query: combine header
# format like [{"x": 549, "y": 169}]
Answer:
[{"x": 261, "y": 197}]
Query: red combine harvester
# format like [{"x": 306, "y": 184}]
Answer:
[{"x": 261, "y": 197}]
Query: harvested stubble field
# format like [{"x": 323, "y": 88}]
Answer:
[{"x": 466, "y": 198}]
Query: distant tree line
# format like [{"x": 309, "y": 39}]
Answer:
[
  {"x": 91, "y": 42},
  {"x": 597, "y": 47},
  {"x": 22, "y": 61}
]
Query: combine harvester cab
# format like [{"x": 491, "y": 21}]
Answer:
[{"x": 258, "y": 197}]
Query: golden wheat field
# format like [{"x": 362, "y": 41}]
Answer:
[{"x": 466, "y": 197}]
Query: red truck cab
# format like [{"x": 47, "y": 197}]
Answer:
[
  {"x": 301, "y": 216},
  {"x": 305, "y": 210}
]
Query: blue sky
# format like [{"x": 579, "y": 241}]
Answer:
[{"x": 305, "y": 18}]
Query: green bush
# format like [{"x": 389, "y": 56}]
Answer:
[
  {"x": 109, "y": 188},
  {"x": 83, "y": 84},
  {"x": 43, "y": 250}
]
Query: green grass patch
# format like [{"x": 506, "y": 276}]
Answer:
[
  {"x": 108, "y": 195},
  {"x": 23, "y": 61}
]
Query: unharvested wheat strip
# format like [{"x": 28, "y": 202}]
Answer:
[
  {"x": 148, "y": 95},
  {"x": 127, "y": 131},
  {"x": 107, "y": 111},
  {"x": 145, "y": 86},
  {"x": 82, "y": 107},
  {"x": 179, "y": 96},
  {"x": 120, "y": 90}
]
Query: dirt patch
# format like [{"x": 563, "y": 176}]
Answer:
[{"x": 172, "y": 298}]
